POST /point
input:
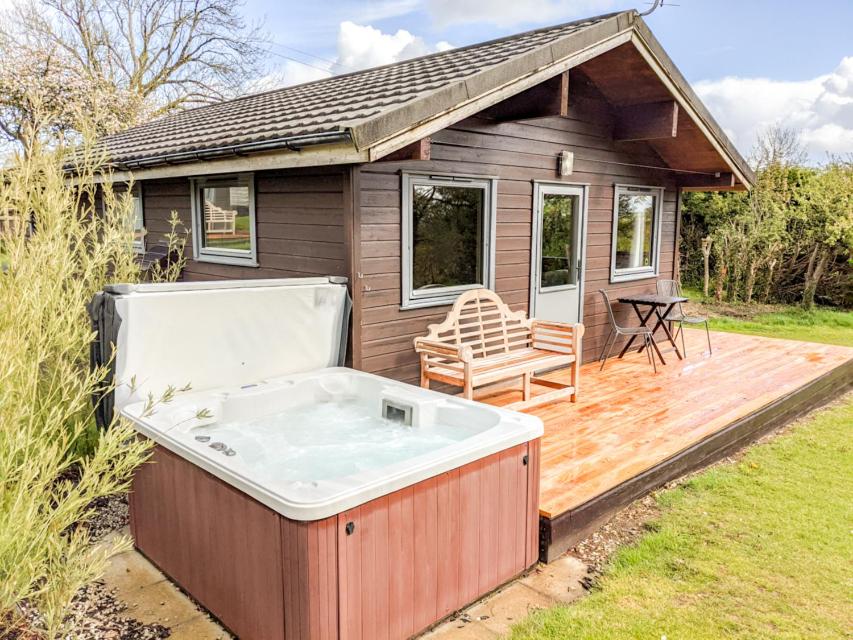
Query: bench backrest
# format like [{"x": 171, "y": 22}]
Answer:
[{"x": 482, "y": 321}]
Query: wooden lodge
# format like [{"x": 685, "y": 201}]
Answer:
[{"x": 544, "y": 166}]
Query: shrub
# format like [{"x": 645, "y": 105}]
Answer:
[{"x": 60, "y": 248}]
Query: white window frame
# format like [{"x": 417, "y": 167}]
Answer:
[
  {"x": 412, "y": 299},
  {"x": 136, "y": 192},
  {"x": 636, "y": 273},
  {"x": 223, "y": 256}
]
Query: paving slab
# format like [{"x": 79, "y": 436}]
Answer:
[
  {"x": 160, "y": 602},
  {"x": 201, "y": 627},
  {"x": 152, "y": 598},
  {"x": 459, "y": 630},
  {"x": 507, "y": 607},
  {"x": 129, "y": 572},
  {"x": 559, "y": 580}
]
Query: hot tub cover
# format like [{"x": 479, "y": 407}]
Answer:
[{"x": 202, "y": 335}]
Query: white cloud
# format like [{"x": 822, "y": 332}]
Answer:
[
  {"x": 358, "y": 47},
  {"x": 363, "y": 46},
  {"x": 506, "y": 13},
  {"x": 820, "y": 108},
  {"x": 288, "y": 74}
]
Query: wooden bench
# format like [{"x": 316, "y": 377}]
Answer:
[
  {"x": 218, "y": 220},
  {"x": 483, "y": 342}
]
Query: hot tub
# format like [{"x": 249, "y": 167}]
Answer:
[{"x": 296, "y": 500}]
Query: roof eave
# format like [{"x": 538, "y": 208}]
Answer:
[{"x": 310, "y": 156}]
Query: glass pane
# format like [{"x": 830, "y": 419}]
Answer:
[
  {"x": 559, "y": 261},
  {"x": 226, "y": 218},
  {"x": 447, "y": 229},
  {"x": 634, "y": 230},
  {"x": 138, "y": 222}
]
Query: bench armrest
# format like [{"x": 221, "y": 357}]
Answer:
[
  {"x": 462, "y": 353},
  {"x": 557, "y": 336}
]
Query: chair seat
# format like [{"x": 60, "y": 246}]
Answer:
[
  {"x": 633, "y": 331},
  {"x": 687, "y": 319}
]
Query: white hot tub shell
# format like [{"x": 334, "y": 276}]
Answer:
[{"x": 295, "y": 498}]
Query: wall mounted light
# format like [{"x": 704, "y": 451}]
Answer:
[{"x": 566, "y": 163}]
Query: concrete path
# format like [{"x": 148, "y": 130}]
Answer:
[
  {"x": 152, "y": 598},
  {"x": 491, "y": 618}
]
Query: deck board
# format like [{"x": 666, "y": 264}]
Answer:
[{"x": 628, "y": 420}]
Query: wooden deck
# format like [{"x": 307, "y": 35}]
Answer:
[{"x": 632, "y": 430}]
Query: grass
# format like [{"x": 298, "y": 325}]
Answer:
[
  {"x": 757, "y": 549},
  {"x": 829, "y": 326}
]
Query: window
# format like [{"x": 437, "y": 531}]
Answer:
[
  {"x": 558, "y": 251},
  {"x": 224, "y": 220},
  {"x": 448, "y": 237},
  {"x": 138, "y": 220},
  {"x": 636, "y": 226}
]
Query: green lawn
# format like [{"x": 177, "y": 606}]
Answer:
[
  {"x": 825, "y": 325},
  {"x": 758, "y": 549}
]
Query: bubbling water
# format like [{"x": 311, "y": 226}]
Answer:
[{"x": 323, "y": 441}]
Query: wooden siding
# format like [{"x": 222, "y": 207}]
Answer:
[
  {"x": 195, "y": 528},
  {"x": 422, "y": 553},
  {"x": 413, "y": 557},
  {"x": 299, "y": 216},
  {"x": 517, "y": 153}
]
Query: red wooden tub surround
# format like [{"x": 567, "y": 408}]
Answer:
[{"x": 385, "y": 570}]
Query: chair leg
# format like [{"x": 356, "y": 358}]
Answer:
[
  {"x": 609, "y": 335},
  {"x": 607, "y": 352},
  {"x": 649, "y": 347},
  {"x": 525, "y": 390},
  {"x": 683, "y": 344},
  {"x": 708, "y": 334}
]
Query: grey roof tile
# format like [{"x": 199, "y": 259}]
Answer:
[{"x": 327, "y": 105}]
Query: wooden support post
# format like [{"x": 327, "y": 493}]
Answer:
[
  {"x": 546, "y": 99},
  {"x": 650, "y": 121}
]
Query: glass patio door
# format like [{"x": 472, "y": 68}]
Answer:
[{"x": 555, "y": 287}]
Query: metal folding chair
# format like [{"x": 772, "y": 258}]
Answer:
[
  {"x": 672, "y": 288},
  {"x": 616, "y": 330}
]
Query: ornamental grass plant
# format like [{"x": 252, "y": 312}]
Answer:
[{"x": 60, "y": 242}]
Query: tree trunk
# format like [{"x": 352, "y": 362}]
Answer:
[
  {"x": 817, "y": 265},
  {"x": 767, "y": 287},
  {"x": 706, "y": 255},
  {"x": 722, "y": 275},
  {"x": 750, "y": 281}
]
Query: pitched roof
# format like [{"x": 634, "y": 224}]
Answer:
[
  {"x": 363, "y": 116},
  {"x": 328, "y": 105}
]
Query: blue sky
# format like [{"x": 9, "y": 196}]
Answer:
[{"x": 754, "y": 62}]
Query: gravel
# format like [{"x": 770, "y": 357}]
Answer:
[
  {"x": 622, "y": 529},
  {"x": 96, "y": 615},
  {"x": 111, "y": 514}
]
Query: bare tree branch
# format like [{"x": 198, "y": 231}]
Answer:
[{"x": 120, "y": 61}]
